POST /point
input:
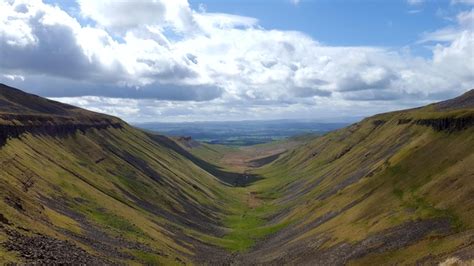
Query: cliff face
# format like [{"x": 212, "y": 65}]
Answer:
[
  {"x": 22, "y": 113},
  {"x": 53, "y": 130},
  {"x": 453, "y": 115},
  {"x": 448, "y": 123}
]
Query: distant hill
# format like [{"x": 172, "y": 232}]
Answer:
[
  {"x": 78, "y": 187},
  {"x": 242, "y": 133}
]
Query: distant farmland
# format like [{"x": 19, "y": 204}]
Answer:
[{"x": 241, "y": 133}]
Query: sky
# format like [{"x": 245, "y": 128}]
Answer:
[{"x": 179, "y": 60}]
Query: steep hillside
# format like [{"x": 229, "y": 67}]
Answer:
[
  {"x": 81, "y": 187},
  {"x": 109, "y": 190},
  {"x": 393, "y": 188}
]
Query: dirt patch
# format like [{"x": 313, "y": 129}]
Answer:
[{"x": 253, "y": 201}]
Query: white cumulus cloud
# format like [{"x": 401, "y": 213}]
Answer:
[{"x": 162, "y": 58}]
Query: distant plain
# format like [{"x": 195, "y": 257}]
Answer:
[{"x": 242, "y": 133}]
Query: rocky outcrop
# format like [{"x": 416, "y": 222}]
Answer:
[
  {"x": 404, "y": 121},
  {"x": 449, "y": 124},
  {"x": 378, "y": 122},
  {"x": 21, "y": 112},
  {"x": 44, "y": 250},
  {"x": 48, "y": 126}
]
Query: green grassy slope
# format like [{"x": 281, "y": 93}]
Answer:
[
  {"x": 107, "y": 187},
  {"x": 393, "y": 188},
  {"x": 116, "y": 181}
]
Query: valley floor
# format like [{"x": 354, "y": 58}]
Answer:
[
  {"x": 266, "y": 209},
  {"x": 260, "y": 231}
]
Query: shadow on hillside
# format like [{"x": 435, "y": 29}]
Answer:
[{"x": 228, "y": 178}]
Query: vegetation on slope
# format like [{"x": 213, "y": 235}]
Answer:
[
  {"x": 346, "y": 194},
  {"x": 112, "y": 190},
  {"x": 395, "y": 187}
]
